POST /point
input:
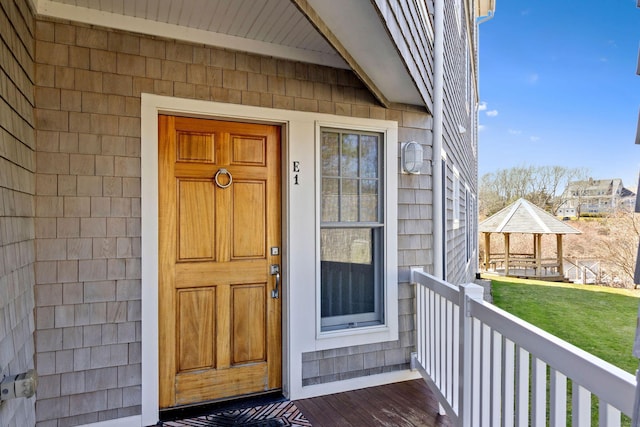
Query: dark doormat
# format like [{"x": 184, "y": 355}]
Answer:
[{"x": 272, "y": 415}]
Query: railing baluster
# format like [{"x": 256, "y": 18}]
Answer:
[
  {"x": 538, "y": 392},
  {"x": 456, "y": 357},
  {"x": 424, "y": 328},
  {"x": 608, "y": 415},
  {"x": 557, "y": 399},
  {"x": 486, "y": 375},
  {"x": 580, "y": 406},
  {"x": 432, "y": 334},
  {"x": 420, "y": 310},
  {"x": 496, "y": 379},
  {"x": 508, "y": 388},
  {"x": 522, "y": 396},
  {"x": 437, "y": 343},
  {"x": 450, "y": 350},
  {"x": 476, "y": 354}
]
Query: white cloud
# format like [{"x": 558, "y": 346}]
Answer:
[
  {"x": 514, "y": 132},
  {"x": 482, "y": 106},
  {"x": 492, "y": 113},
  {"x": 481, "y": 128},
  {"x": 534, "y": 138}
]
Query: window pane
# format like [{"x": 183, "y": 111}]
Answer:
[
  {"x": 330, "y": 198},
  {"x": 347, "y": 272},
  {"x": 330, "y": 154},
  {"x": 349, "y": 200},
  {"x": 346, "y": 245},
  {"x": 369, "y": 200},
  {"x": 349, "y": 161},
  {"x": 368, "y": 156}
]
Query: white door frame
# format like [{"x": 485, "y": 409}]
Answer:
[{"x": 299, "y": 246}]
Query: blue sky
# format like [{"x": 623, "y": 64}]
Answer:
[{"x": 558, "y": 87}]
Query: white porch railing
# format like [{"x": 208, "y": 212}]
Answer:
[{"x": 490, "y": 368}]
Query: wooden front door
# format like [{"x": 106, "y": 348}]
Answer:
[{"x": 219, "y": 236}]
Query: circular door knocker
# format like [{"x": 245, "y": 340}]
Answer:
[{"x": 226, "y": 172}]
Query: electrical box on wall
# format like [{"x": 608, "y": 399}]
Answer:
[{"x": 21, "y": 385}]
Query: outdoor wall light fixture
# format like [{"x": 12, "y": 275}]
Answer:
[{"x": 411, "y": 157}]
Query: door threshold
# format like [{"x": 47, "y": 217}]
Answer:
[{"x": 228, "y": 404}]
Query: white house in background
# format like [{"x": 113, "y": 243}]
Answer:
[
  {"x": 596, "y": 196},
  {"x": 204, "y": 200}
]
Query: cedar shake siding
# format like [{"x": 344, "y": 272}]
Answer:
[
  {"x": 17, "y": 190},
  {"x": 71, "y": 201},
  {"x": 88, "y": 277},
  {"x": 460, "y": 146}
]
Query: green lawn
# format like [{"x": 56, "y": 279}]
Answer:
[{"x": 597, "y": 319}]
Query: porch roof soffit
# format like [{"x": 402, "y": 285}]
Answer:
[
  {"x": 351, "y": 36},
  {"x": 524, "y": 217}
]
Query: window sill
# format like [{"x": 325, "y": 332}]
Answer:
[{"x": 356, "y": 336}]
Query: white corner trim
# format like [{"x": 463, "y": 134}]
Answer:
[{"x": 145, "y": 26}]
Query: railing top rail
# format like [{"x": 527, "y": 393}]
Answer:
[
  {"x": 615, "y": 386},
  {"x": 445, "y": 289}
]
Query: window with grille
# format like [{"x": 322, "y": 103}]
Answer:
[{"x": 351, "y": 229}]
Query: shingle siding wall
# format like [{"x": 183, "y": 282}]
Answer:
[
  {"x": 17, "y": 189},
  {"x": 459, "y": 107},
  {"x": 89, "y": 82}
]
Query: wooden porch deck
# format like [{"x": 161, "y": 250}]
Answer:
[
  {"x": 402, "y": 404},
  {"x": 408, "y": 403}
]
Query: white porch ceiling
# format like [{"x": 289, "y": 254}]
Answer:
[{"x": 268, "y": 27}]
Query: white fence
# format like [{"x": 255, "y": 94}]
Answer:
[
  {"x": 490, "y": 368},
  {"x": 582, "y": 271}
]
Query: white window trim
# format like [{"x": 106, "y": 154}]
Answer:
[
  {"x": 456, "y": 198},
  {"x": 469, "y": 221},
  {"x": 389, "y": 329}
]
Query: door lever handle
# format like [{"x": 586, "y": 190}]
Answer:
[{"x": 275, "y": 271}]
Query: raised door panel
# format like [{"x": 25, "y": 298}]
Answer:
[
  {"x": 195, "y": 147},
  {"x": 249, "y": 220},
  {"x": 196, "y": 329},
  {"x": 248, "y": 150},
  {"x": 196, "y": 220},
  {"x": 249, "y": 323}
]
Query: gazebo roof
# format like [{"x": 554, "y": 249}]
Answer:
[{"x": 524, "y": 217}]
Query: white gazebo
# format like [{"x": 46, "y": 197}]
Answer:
[{"x": 523, "y": 217}]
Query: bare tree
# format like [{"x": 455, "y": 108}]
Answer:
[{"x": 618, "y": 244}]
